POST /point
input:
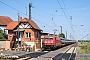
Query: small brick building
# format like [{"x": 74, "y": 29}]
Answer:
[{"x": 24, "y": 32}]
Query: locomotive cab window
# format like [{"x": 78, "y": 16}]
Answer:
[{"x": 49, "y": 38}]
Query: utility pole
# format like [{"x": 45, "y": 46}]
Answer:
[
  {"x": 70, "y": 35},
  {"x": 30, "y": 5},
  {"x": 18, "y": 29},
  {"x": 71, "y": 20},
  {"x": 55, "y": 31},
  {"x": 66, "y": 34},
  {"x": 61, "y": 29}
]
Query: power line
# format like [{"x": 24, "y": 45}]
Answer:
[
  {"x": 45, "y": 24},
  {"x": 12, "y": 7},
  {"x": 81, "y": 13},
  {"x": 48, "y": 26},
  {"x": 85, "y": 36},
  {"x": 42, "y": 11},
  {"x": 41, "y": 15},
  {"x": 19, "y": 11},
  {"x": 65, "y": 7},
  {"x": 65, "y": 16},
  {"x": 42, "y": 22},
  {"x": 45, "y": 18},
  {"x": 63, "y": 10},
  {"x": 37, "y": 13},
  {"x": 54, "y": 22},
  {"x": 22, "y": 5}
]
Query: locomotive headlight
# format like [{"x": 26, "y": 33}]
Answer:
[
  {"x": 45, "y": 42},
  {"x": 51, "y": 41}
]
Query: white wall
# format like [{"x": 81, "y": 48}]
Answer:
[{"x": 4, "y": 27}]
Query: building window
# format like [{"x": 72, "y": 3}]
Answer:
[
  {"x": 16, "y": 33},
  {"x": 37, "y": 35},
  {"x": 10, "y": 34},
  {"x": 28, "y": 35}
]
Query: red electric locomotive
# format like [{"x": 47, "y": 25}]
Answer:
[{"x": 51, "y": 42}]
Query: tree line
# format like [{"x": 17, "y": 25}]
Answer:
[{"x": 83, "y": 40}]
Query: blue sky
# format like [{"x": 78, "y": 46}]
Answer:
[{"x": 60, "y": 10}]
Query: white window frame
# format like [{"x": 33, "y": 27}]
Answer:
[{"x": 28, "y": 35}]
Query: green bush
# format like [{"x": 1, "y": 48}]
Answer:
[
  {"x": 3, "y": 35},
  {"x": 85, "y": 48}
]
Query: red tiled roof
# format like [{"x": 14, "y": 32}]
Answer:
[
  {"x": 12, "y": 25},
  {"x": 5, "y": 20},
  {"x": 24, "y": 20},
  {"x": 34, "y": 24}
]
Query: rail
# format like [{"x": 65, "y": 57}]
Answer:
[
  {"x": 71, "y": 53},
  {"x": 61, "y": 55}
]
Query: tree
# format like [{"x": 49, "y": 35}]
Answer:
[
  {"x": 3, "y": 35},
  {"x": 61, "y": 35}
]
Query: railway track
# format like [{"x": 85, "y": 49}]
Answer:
[
  {"x": 21, "y": 55},
  {"x": 60, "y": 54},
  {"x": 69, "y": 54}
]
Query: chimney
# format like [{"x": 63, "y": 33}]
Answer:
[{"x": 20, "y": 18}]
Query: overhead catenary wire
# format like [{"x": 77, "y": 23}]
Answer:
[
  {"x": 46, "y": 18},
  {"x": 62, "y": 10},
  {"x": 52, "y": 19},
  {"x": 85, "y": 36},
  {"x": 66, "y": 17},
  {"x": 65, "y": 7},
  {"x": 39, "y": 14},
  {"x": 34, "y": 11},
  {"x": 42, "y": 10},
  {"x": 81, "y": 13},
  {"x": 66, "y": 10},
  {"x": 75, "y": 14},
  {"x": 13, "y": 8},
  {"x": 22, "y": 5},
  {"x": 46, "y": 25},
  {"x": 43, "y": 23}
]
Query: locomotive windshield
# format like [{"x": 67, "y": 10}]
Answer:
[{"x": 48, "y": 38}]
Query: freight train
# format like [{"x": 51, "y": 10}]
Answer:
[{"x": 52, "y": 42}]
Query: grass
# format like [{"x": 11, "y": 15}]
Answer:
[
  {"x": 84, "y": 58},
  {"x": 12, "y": 50},
  {"x": 85, "y": 48}
]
